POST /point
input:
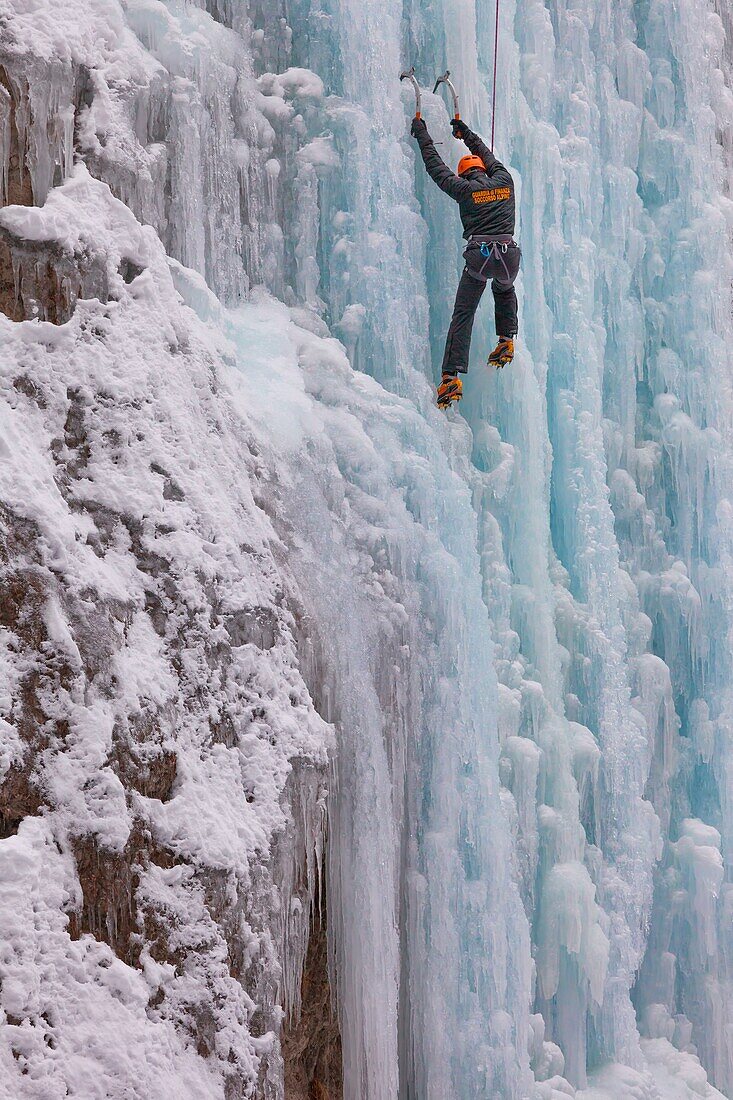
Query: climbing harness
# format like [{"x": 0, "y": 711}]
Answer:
[
  {"x": 488, "y": 250},
  {"x": 409, "y": 74},
  {"x": 496, "y": 59},
  {"x": 445, "y": 79}
]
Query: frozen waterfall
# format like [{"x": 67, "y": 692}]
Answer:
[
  {"x": 518, "y": 618},
  {"x": 599, "y": 526}
]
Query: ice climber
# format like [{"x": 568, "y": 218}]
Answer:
[{"x": 484, "y": 191}]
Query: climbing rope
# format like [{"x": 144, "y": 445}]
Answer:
[{"x": 496, "y": 58}]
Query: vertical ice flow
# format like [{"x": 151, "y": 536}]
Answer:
[
  {"x": 597, "y": 525},
  {"x": 602, "y": 529},
  {"x": 524, "y": 630}
]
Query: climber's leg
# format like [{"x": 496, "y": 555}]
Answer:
[{"x": 458, "y": 340}]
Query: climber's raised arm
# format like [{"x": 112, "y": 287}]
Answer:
[{"x": 436, "y": 167}]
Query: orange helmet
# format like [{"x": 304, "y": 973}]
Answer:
[{"x": 465, "y": 164}]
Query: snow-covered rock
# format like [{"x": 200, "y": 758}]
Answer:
[
  {"x": 252, "y": 577},
  {"x": 154, "y": 709}
]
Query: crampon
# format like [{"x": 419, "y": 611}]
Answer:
[
  {"x": 503, "y": 353},
  {"x": 450, "y": 390}
]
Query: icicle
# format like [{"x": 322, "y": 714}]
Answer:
[{"x": 5, "y": 138}]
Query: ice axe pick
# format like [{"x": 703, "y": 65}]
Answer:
[
  {"x": 409, "y": 74},
  {"x": 445, "y": 79}
]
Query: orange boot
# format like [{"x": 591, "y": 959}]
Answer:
[
  {"x": 503, "y": 353},
  {"x": 449, "y": 390}
]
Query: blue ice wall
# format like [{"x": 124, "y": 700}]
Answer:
[
  {"x": 521, "y": 612},
  {"x": 599, "y": 475}
]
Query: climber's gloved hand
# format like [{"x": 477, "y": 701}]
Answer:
[
  {"x": 459, "y": 127},
  {"x": 418, "y": 127}
]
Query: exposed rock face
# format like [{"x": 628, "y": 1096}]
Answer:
[
  {"x": 19, "y": 191},
  {"x": 312, "y": 1045},
  {"x": 38, "y": 278}
]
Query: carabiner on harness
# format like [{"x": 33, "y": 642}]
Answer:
[{"x": 488, "y": 250}]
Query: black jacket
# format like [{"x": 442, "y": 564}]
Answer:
[{"x": 485, "y": 199}]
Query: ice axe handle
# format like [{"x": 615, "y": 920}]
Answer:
[
  {"x": 409, "y": 74},
  {"x": 445, "y": 79}
]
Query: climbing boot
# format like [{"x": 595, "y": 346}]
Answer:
[
  {"x": 503, "y": 353},
  {"x": 449, "y": 390}
]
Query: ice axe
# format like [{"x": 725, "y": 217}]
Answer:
[
  {"x": 445, "y": 79},
  {"x": 409, "y": 74}
]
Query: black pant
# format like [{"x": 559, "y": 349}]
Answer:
[{"x": 502, "y": 268}]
